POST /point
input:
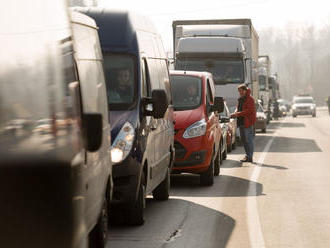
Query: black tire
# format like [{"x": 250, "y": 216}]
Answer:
[
  {"x": 162, "y": 192},
  {"x": 217, "y": 162},
  {"x": 294, "y": 116},
  {"x": 207, "y": 177},
  {"x": 135, "y": 213},
  {"x": 224, "y": 155},
  {"x": 314, "y": 115},
  {"x": 263, "y": 130},
  {"x": 234, "y": 145},
  {"x": 230, "y": 146},
  {"x": 98, "y": 236}
]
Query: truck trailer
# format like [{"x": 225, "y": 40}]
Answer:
[
  {"x": 226, "y": 48},
  {"x": 264, "y": 67}
]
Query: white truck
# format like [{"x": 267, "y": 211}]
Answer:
[
  {"x": 226, "y": 48},
  {"x": 264, "y": 67}
]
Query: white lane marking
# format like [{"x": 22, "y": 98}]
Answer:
[{"x": 253, "y": 218}]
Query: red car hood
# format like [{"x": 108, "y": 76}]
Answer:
[{"x": 184, "y": 119}]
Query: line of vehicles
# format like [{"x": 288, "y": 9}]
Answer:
[{"x": 92, "y": 120}]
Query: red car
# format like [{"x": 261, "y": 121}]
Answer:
[
  {"x": 231, "y": 128},
  {"x": 197, "y": 129}
]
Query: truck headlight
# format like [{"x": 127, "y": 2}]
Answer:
[
  {"x": 312, "y": 107},
  {"x": 123, "y": 143},
  {"x": 195, "y": 130}
]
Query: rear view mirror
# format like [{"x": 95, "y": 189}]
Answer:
[
  {"x": 93, "y": 130},
  {"x": 157, "y": 105},
  {"x": 160, "y": 103},
  {"x": 218, "y": 104}
]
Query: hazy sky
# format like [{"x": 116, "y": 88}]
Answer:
[{"x": 264, "y": 13}]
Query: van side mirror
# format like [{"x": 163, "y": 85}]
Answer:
[
  {"x": 93, "y": 131},
  {"x": 159, "y": 104},
  {"x": 218, "y": 105}
]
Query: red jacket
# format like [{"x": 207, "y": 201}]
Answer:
[{"x": 248, "y": 110}]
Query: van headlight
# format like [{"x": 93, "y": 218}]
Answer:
[
  {"x": 123, "y": 143},
  {"x": 195, "y": 130}
]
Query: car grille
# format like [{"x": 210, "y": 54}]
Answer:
[
  {"x": 303, "y": 108},
  {"x": 180, "y": 151}
]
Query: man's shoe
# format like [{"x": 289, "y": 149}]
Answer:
[{"x": 246, "y": 159}]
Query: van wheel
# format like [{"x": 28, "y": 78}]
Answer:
[
  {"x": 135, "y": 214},
  {"x": 162, "y": 192},
  {"x": 207, "y": 177},
  {"x": 217, "y": 163},
  {"x": 98, "y": 236}
]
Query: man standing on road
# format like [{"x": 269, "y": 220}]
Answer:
[{"x": 246, "y": 117}]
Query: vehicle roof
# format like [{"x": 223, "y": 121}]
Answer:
[
  {"x": 119, "y": 30},
  {"x": 191, "y": 73},
  {"x": 80, "y": 18}
]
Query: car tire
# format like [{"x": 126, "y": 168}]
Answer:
[
  {"x": 224, "y": 155},
  {"x": 135, "y": 213},
  {"x": 217, "y": 162},
  {"x": 98, "y": 236},
  {"x": 264, "y": 130},
  {"x": 162, "y": 191},
  {"x": 294, "y": 116},
  {"x": 207, "y": 177},
  {"x": 314, "y": 115},
  {"x": 234, "y": 145},
  {"x": 230, "y": 146}
]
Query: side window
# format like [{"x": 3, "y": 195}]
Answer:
[
  {"x": 208, "y": 97},
  {"x": 153, "y": 73},
  {"x": 146, "y": 90}
]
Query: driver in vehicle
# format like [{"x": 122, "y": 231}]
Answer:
[
  {"x": 192, "y": 96},
  {"x": 124, "y": 88}
]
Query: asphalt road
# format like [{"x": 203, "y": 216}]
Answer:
[{"x": 282, "y": 200}]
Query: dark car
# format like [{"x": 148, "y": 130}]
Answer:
[
  {"x": 141, "y": 111},
  {"x": 54, "y": 185}
]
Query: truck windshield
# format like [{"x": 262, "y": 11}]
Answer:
[
  {"x": 262, "y": 82},
  {"x": 224, "y": 71},
  {"x": 120, "y": 75},
  {"x": 186, "y": 91}
]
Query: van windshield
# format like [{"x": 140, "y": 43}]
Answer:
[
  {"x": 120, "y": 76},
  {"x": 186, "y": 91},
  {"x": 224, "y": 71}
]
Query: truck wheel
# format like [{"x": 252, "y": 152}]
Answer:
[
  {"x": 162, "y": 192},
  {"x": 314, "y": 115},
  {"x": 294, "y": 115},
  {"x": 98, "y": 236},
  {"x": 217, "y": 162},
  {"x": 135, "y": 214},
  {"x": 207, "y": 177}
]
